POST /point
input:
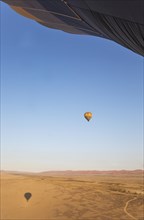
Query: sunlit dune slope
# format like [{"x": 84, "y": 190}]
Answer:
[{"x": 66, "y": 197}]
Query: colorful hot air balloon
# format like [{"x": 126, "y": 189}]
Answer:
[
  {"x": 117, "y": 20},
  {"x": 88, "y": 115},
  {"x": 27, "y": 195}
]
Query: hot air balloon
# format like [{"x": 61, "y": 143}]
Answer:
[
  {"x": 88, "y": 115},
  {"x": 117, "y": 20},
  {"x": 27, "y": 195}
]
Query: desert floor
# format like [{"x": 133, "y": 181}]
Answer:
[{"x": 72, "y": 197}]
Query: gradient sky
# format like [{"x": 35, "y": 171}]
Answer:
[{"x": 49, "y": 80}]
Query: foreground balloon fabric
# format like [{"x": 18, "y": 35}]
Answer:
[
  {"x": 27, "y": 195},
  {"x": 117, "y": 20},
  {"x": 88, "y": 115}
]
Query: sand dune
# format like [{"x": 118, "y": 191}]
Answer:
[{"x": 71, "y": 197}]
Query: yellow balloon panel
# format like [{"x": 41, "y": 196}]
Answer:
[{"x": 88, "y": 115}]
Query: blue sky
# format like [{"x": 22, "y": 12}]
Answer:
[{"x": 49, "y": 80}]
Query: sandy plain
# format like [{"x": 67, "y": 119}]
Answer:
[{"x": 72, "y": 196}]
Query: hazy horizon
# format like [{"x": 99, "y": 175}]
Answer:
[{"x": 44, "y": 171}]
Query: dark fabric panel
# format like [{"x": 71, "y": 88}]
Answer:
[
  {"x": 88, "y": 17},
  {"x": 56, "y": 6},
  {"x": 62, "y": 27},
  {"x": 131, "y": 10},
  {"x": 127, "y": 34},
  {"x": 45, "y": 17},
  {"x": 75, "y": 23}
]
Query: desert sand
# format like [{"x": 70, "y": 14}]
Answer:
[{"x": 72, "y": 196}]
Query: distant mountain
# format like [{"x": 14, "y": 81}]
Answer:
[
  {"x": 94, "y": 172},
  {"x": 79, "y": 172}
]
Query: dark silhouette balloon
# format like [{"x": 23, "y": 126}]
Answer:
[
  {"x": 88, "y": 115},
  {"x": 27, "y": 195}
]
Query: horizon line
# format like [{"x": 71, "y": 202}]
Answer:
[{"x": 84, "y": 170}]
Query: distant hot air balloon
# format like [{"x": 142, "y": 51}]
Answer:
[
  {"x": 88, "y": 115},
  {"x": 27, "y": 195}
]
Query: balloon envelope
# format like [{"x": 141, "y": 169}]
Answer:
[
  {"x": 117, "y": 20},
  {"x": 27, "y": 195},
  {"x": 88, "y": 115}
]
